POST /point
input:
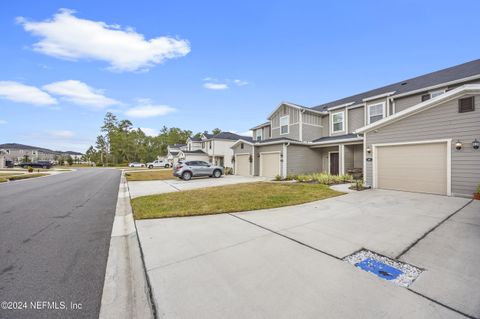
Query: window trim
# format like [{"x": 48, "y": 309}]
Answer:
[
  {"x": 288, "y": 124},
  {"x": 332, "y": 126},
  {"x": 436, "y": 91},
  {"x": 375, "y": 104}
]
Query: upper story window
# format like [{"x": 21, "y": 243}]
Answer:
[
  {"x": 284, "y": 120},
  {"x": 242, "y": 146},
  {"x": 338, "y": 122},
  {"x": 258, "y": 135},
  {"x": 376, "y": 112},
  {"x": 210, "y": 144},
  {"x": 431, "y": 95}
]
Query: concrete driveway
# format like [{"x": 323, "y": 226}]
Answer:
[
  {"x": 287, "y": 262},
  {"x": 143, "y": 188}
]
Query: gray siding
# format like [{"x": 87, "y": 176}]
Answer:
[
  {"x": 356, "y": 118},
  {"x": 311, "y": 132},
  {"x": 293, "y": 132},
  {"x": 237, "y": 149},
  {"x": 325, "y": 151},
  {"x": 441, "y": 122},
  {"x": 265, "y": 132},
  {"x": 358, "y": 156},
  {"x": 326, "y": 126},
  {"x": 302, "y": 159},
  {"x": 293, "y": 114}
]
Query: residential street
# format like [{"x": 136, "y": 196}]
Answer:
[{"x": 54, "y": 235}]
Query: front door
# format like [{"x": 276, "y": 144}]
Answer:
[{"x": 334, "y": 163}]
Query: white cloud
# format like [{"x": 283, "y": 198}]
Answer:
[
  {"x": 79, "y": 93},
  {"x": 150, "y": 131},
  {"x": 215, "y": 86},
  {"x": 66, "y": 36},
  {"x": 240, "y": 82},
  {"x": 3, "y": 122},
  {"x": 147, "y": 109},
  {"x": 61, "y": 134},
  {"x": 21, "y": 93}
]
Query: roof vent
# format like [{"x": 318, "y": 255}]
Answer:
[{"x": 404, "y": 83}]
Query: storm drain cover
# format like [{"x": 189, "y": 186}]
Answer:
[{"x": 397, "y": 272}]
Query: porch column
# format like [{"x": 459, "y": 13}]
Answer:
[{"x": 341, "y": 159}]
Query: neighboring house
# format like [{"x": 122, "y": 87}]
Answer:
[
  {"x": 76, "y": 156},
  {"x": 19, "y": 152},
  {"x": 194, "y": 143},
  {"x": 184, "y": 152},
  {"x": 420, "y": 134},
  {"x": 219, "y": 147}
]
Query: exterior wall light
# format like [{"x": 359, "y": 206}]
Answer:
[
  {"x": 475, "y": 144},
  {"x": 458, "y": 145},
  {"x": 369, "y": 150}
]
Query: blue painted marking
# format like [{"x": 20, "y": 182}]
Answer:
[{"x": 378, "y": 268}]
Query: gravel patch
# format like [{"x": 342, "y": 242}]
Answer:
[{"x": 405, "y": 279}]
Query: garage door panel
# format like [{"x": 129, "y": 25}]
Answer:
[
  {"x": 417, "y": 168},
  {"x": 270, "y": 164},
  {"x": 243, "y": 165}
]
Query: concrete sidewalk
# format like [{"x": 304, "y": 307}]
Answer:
[
  {"x": 143, "y": 188},
  {"x": 220, "y": 266}
]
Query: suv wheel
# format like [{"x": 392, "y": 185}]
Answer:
[
  {"x": 167, "y": 166},
  {"x": 150, "y": 166},
  {"x": 187, "y": 176},
  {"x": 217, "y": 173}
]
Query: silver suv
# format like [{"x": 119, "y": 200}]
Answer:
[{"x": 188, "y": 169}]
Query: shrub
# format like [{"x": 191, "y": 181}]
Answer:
[
  {"x": 30, "y": 169},
  {"x": 323, "y": 178},
  {"x": 478, "y": 188},
  {"x": 278, "y": 178},
  {"x": 228, "y": 171}
]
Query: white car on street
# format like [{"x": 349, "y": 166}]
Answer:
[
  {"x": 136, "y": 164},
  {"x": 159, "y": 163}
]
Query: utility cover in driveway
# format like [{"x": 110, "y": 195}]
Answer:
[
  {"x": 378, "y": 268},
  {"x": 395, "y": 271}
]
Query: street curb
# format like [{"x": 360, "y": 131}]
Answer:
[{"x": 126, "y": 293}]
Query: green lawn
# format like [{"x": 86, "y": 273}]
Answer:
[
  {"x": 17, "y": 177},
  {"x": 231, "y": 198},
  {"x": 150, "y": 175}
]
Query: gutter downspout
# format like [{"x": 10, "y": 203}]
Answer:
[{"x": 300, "y": 122}]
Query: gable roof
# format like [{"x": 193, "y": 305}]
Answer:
[
  {"x": 230, "y": 136},
  {"x": 450, "y": 95},
  {"x": 461, "y": 71},
  {"x": 261, "y": 125},
  {"x": 295, "y": 106},
  {"x": 195, "y": 139}
]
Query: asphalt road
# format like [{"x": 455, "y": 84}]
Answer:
[{"x": 54, "y": 239}]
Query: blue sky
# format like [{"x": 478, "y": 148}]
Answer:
[{"x": 205, "y": 64}]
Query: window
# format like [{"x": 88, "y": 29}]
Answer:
[
  {"x": 436, "y": 93},
  {"x": 376, "y": 112},
  {"x": 425, "y": 97},
  {"x": 284, "y": 124},
  {"x": 258, "y": 135},
  {"x": 242, "y": 146},
  {"x": 210, "y": 145},
  {"x": 338, "y": 122},
  {"x": 466, "y": 105}
]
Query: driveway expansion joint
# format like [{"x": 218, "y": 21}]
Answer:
[{"x": 406, "y": 250}]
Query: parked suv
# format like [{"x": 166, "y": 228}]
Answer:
[
  {"x": 158, "y": 163},
  {"x": 188, "y": 169},
  {"x": 37, "y": 164}
]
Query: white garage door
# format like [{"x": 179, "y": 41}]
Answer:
[
  {"x": 414, "y": 168},
  {"x": 242, "y": 165},
  {"x": 269, "y": 164}
]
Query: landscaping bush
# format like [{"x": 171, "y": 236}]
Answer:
[
  {"x": 228, "y": 171},
  {"x": 278, "y": 178},
  {"x": 323, "y": 178},
  {"x": 30, "y": 169}
]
